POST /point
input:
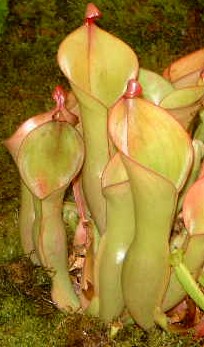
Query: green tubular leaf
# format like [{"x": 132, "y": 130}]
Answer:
[
  {"x": 154, "y": 86},
  {"x": 90, "y": 273},
  {"x": 117, "y": 239},
  {"x": 93, "y": 308},
  {"x": 199, "y": 133},
  {"x": 37, "y": 226},
  {"x": 94, "y": 123},
  {"x": 193, "y": 208},
  {"x": 91, "y": 59},
  {"x": 201, "y": 114},
  {"x": 157, "y": 155},
  {"x": 187, "y": 281},
  {"x": 198, "y": 149},
  {"x": 154, "y": 203},
  {"x": 50, "y": 242},
  {"x": 26, "y": 221},
  {"x": 49, "y": 157},
  {"x": 193, "y": 260}
]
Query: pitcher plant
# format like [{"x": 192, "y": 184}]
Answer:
[
  {"x": 129, "y": 143},
  {"x": 89, "y": 59}
]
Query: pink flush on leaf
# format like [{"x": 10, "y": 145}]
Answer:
[
  {"x": 59, "y": 95},
  {"x": 202, "y": 74},
  {"x": 61, "y": 112}
]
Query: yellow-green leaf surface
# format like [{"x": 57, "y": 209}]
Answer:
[
  {"x": 185, "y": 65},
  {"x": 14, "y": 142},
  {"x": 96, "y": 142},
  {"x": 199, "y": 132},
  {"x": 97, "y": 62},
  {"x": 117, "y": 239},
  {"x": 154, "y": 86},
  {"x": 183, "y": 97},
  {"x": 49, "y": 157},
  {"x": 146, "y": 267},
  {"x": 193, "y": 208},
  {"x": 185, "y": 115},
  {"x": 189, "y": 80},
  {"x": 149, "y": 135},
  {"x": 198, "y": 153},
  {"x": 26, "y": 221}
]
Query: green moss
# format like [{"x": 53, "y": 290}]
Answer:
[
  {"x": 28, "y": 316},
  {"x": 3, "y": 14},
  {"x": 20, "y": 326}
]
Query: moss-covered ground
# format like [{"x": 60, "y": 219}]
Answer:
[{"x": 28, "y": 74}]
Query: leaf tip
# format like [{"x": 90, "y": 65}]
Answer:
[
  {"x": 133, "y": 89},
  {"x": 92, "y": 13}
]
